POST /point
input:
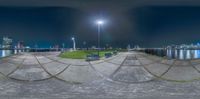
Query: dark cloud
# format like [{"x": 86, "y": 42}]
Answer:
[
  {"x": 44, "y": 25},
  {"x": 163, "y": 25},
  {"x": 149, "y": 23}
]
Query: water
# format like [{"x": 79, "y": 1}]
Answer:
[
  {"x": 4, "y": 53},
  {"x": 181, "y": 54}
]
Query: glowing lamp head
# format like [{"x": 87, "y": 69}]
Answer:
[
  {"x": 100, "y": 22},
  {"x": 73, "y": 38}
]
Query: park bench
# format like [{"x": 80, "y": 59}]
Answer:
[
  {"x": 92, "y": 57},
  {"x": 107, "y": 55},
  {"x": 115, "y": 53}
]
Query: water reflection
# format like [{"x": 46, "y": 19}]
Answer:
[
  {"x": 183, "y": 54},
  {"x": 4, "y": 53},
  {"x": 174, "y": 53}
]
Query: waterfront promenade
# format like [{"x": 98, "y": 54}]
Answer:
[{"x": 126, "y": 75}]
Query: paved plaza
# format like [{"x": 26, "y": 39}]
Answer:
[{"x": 44, "y": 75}]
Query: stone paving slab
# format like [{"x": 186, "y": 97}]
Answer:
[
  {"x": 53, "y": 58},
  {"x": 132, "y": 74},
  {"x": 106, "y": 68},
  {"x": 182, "y": 63},
  {"x": 167, "y": 61},
  {"x": 157, "y": 68},
  {"x": 96, "y": 87},
  {"x": 182, "y": 73},
  {"x": 197, "y": 67},
  {"x": 4, "y": 60},
  {"x": 7, "y": 68},
  {"x": 131, "y": 62},
  {"x": 29, "y": 73},
  {"x": 22, "y": 56},
  {"x": 15, "y": 60},
  {"x": 30, "y": 61},
  {"x": 54, "y": 67},
  {"x": 154, "y": 58},
  {"x": 97, "y": 62},
  {"x": 195, "y": 62},
  {"x": 118, "y": 60},
  {"x": 43, "y": 60},
  {"x": 79, "y": 74},
  {"x": 54, "y": 89},
  {"x": 102, "y": 65},
  {"x": 146, "y": 61}
]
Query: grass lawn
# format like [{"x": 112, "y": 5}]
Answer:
[{"x": 81, "y": 54}]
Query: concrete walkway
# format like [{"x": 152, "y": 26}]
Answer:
[{"x": 126, "y": 75}]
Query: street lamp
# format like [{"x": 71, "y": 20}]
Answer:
[
  {"x": 74, "y": 43},
  {"x": 99, "y": 24},
  {"x": 63, "y": 45}
]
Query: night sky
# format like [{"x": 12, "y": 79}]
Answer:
[{"x": 126, "y": 22}]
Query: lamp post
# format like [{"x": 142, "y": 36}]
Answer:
[
  {"x": 63, "y": 45},
  {"x": 84, "y": 43},
  {"x": 99, "y": 24},
  {"x": 74, "y": 43}
]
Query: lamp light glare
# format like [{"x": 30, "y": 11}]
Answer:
[
  {"x": 73, "y": 38},
  {"x": 100, "y": 22}
]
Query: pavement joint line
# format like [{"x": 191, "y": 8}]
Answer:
[
  {"x": 162, "y": 78},
  {"x": 132, "y": 65},
  {"x": 130, "y": 82},
  {"x": 113, "y": 63},
  {"x": 26, "y": 80},
  {"x": 30, "y": 80},
  {"x": 6, "y": 60},
  {"x": 184, "y": 61},
  {"x": 17, "y": 67},
  {"x": 156, "y": 61},
  {"x": 168, "y": 69},
  {"x": 194, "y": 67},
  {"x": 108, "y": 78},
  {"x": 30, "y": 64},
  {"x": 111, "y": 76},
  {"x": 102, "y": 75},
  {"x": 170, "y": 66},
  {"x": 41, "y": 63},
  {"x": 53, "y": 76},
  {"x": 144, "y": 68},
  {"x": 7, "y": 76},
  {"x": 189, "y": 60},
  {"x": 149, "y": 71}
]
